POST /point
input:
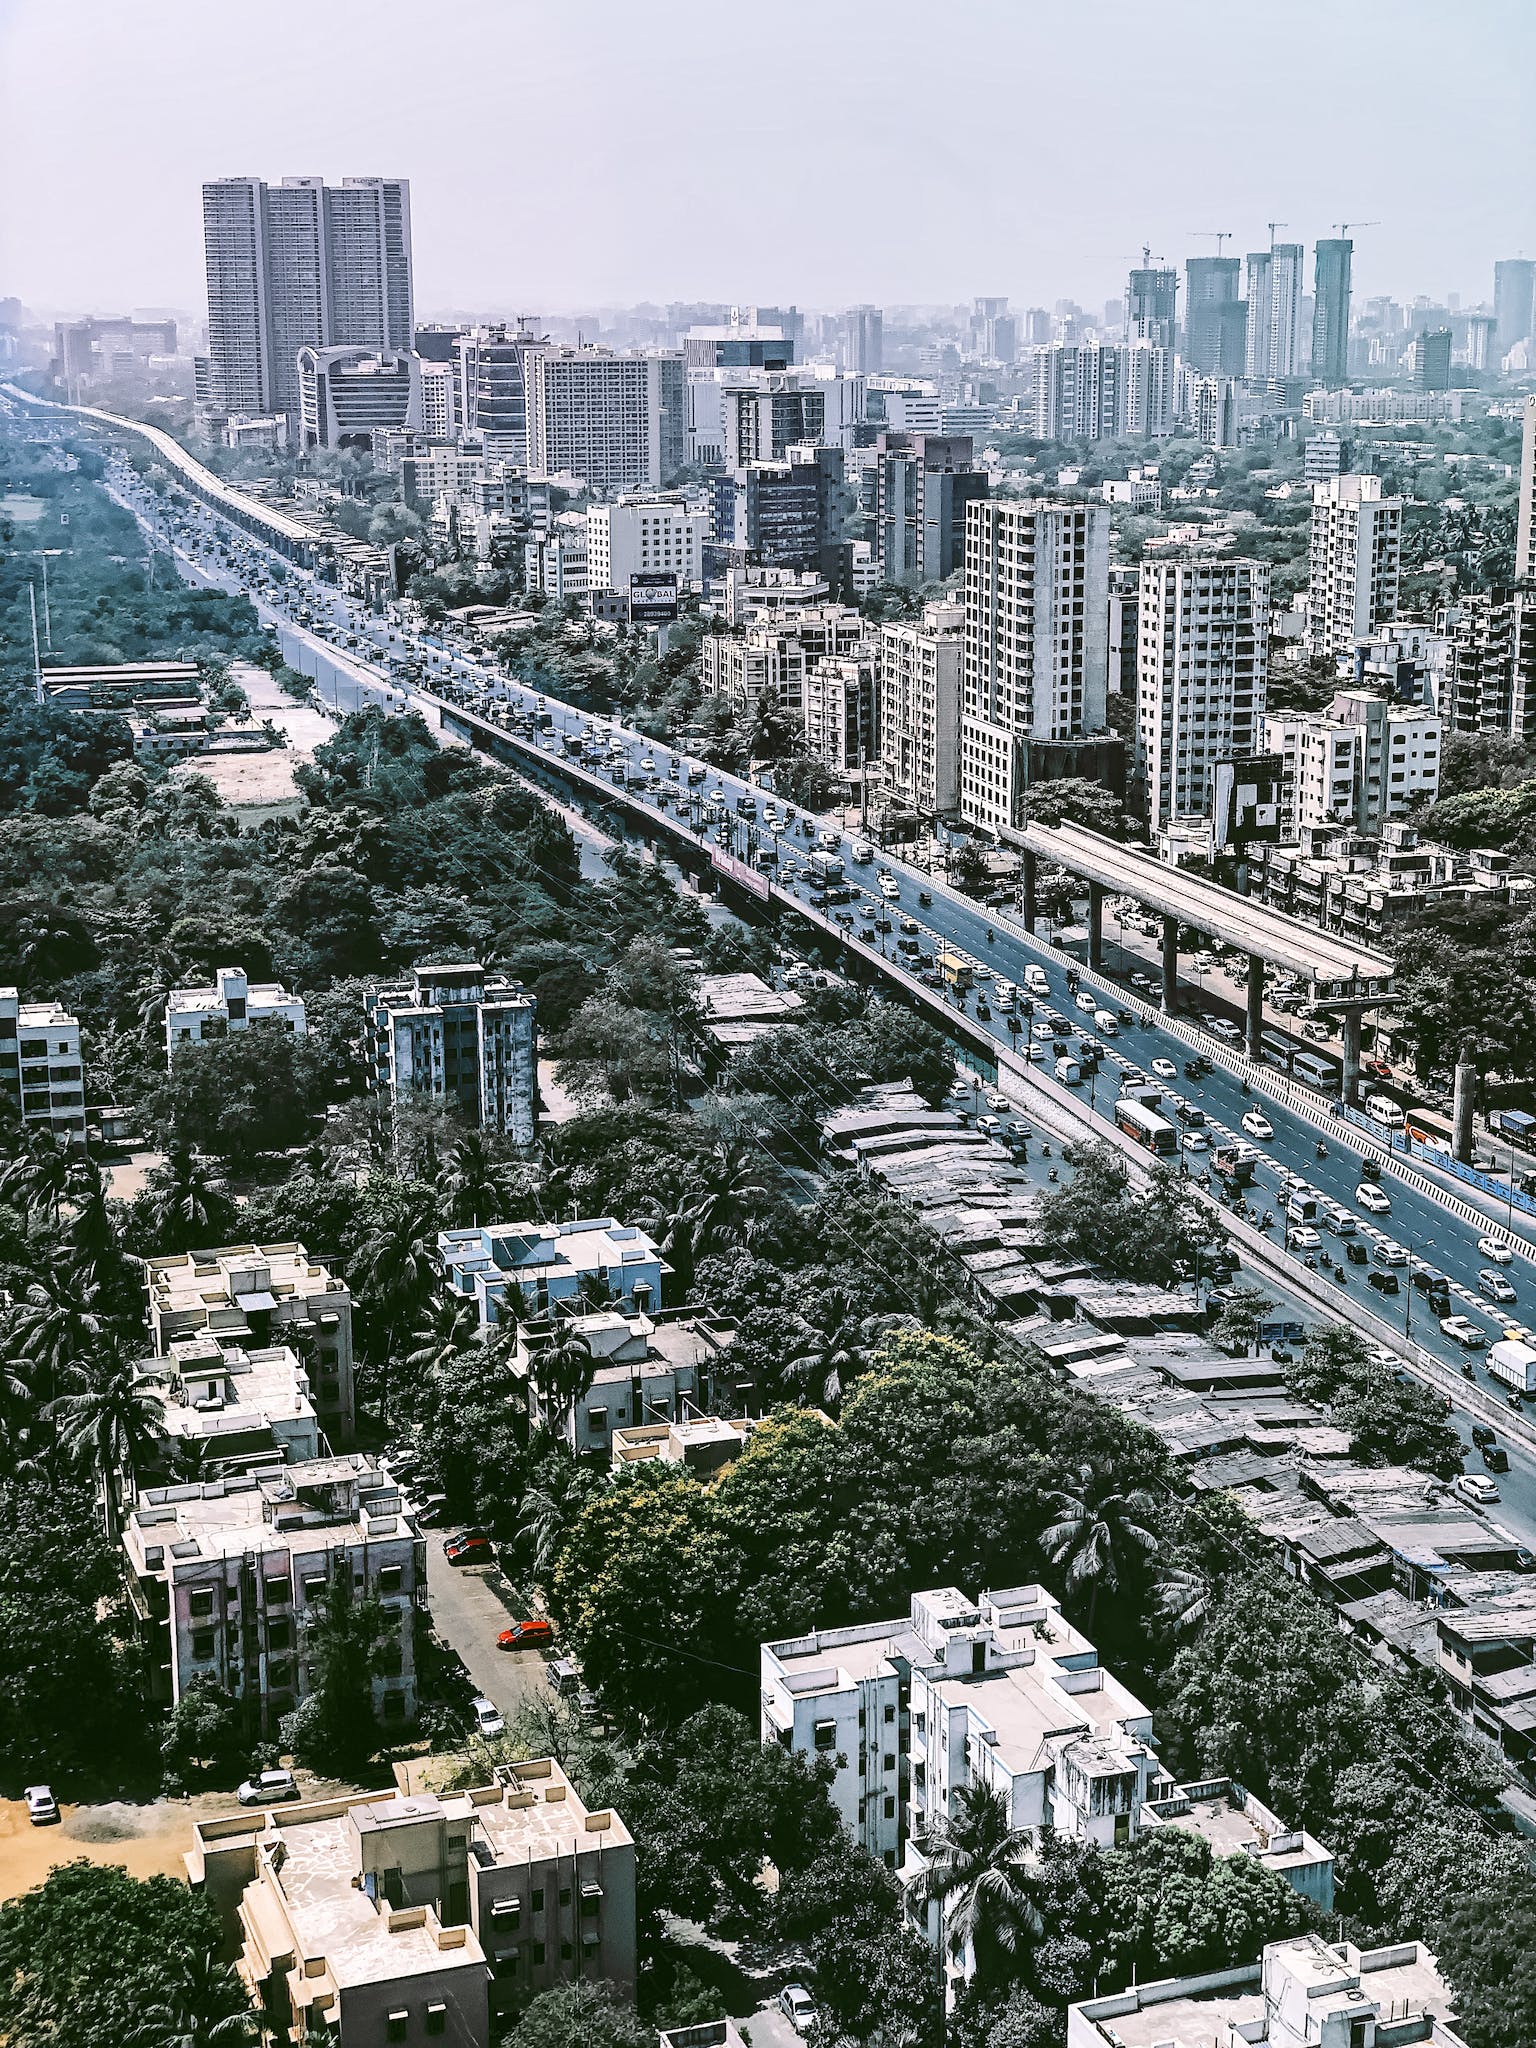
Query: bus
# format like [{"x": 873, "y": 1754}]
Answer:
[
  {"x": 1147, "y": 1128},
  {"x": 1316, "y": 1072},
  {"x": 956, "y": 970}
]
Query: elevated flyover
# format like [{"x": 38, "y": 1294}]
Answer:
[{"x": 1346, "y": 976}]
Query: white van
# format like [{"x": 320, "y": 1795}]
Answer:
[
  {"x": 1068, "y": 1072},
  {"x": 862, "y": 851},
  {"x": 1381, "y": 1109},
  {"x": 1036, "y": 979},
  {"x": 1107, "y": 1022}
]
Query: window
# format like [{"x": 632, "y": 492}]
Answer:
[
  {"x": 202, "y": 1644},
  {"x": 202, "y": 1600},
  {"x": 826, "y": 1735},
  {"x": 278, "y": 1635},
  {"x": 890, "y": 1807},
  {"x": 437, "y": 2018},
  {"x": 565, "y": 1895},
  {"x": 390, "y": 1577},
  {"x": 398, "y": 2026},
  {"x": 394, "y": 1706},
  {"x": 537, "y": 1901},
  {"x": 279, "y": 1592},
  {"x": 538, "y": 1953}
]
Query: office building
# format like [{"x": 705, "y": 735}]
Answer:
[
  {"x": 617, "y": 420},
  {"x": 921, "y": 695},
  {"x": 1301, "y": 1993},
  {"x": 1212, "y": 407},
  {"x": 924, "y": 484},
  {"x": 234, "y": 1003},
  {"x": 738, "y": 348},
  {"x": 301, "y": 265},
  {"x": 252, "y": 1297},
  {"x": 994, "y": 331},
  {"x": 40, "y": 1065},
  {"x": 456, "y": 1035},
  {"x": 1151, "y": 307},
  {"x": 1364, "y": 762},
  {"x": 1036, "y": 654},
  {"x": 407, "y": 1915},
  {"x": 550, "y": 1263},
  {"x": 1215, "y": 320},
  {"x": 647, "y": 1368},
  {"x": 1354, "y": 563},
  {"x": 222, "y": 1573},
  {"x": 1202, "y": 677},
  {"x": 490, "y": 384},
  {"x": 1514, "y": 302},
  {"x": 87, "y": 352},
  {"x": 347, "y": 395},
  {"x": 839, "y": 709},
  {"x": 643, "y": 535},
  {"x": 1432, "y": 359},
  {"x": 860, "y": 341},
  {"x": 1330, "y": 311}
]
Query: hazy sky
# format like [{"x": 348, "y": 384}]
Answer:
[{"x": 577, "y": 153}]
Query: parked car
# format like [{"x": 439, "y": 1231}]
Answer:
[
  {"x": 487, "y": 1719},
  {"x": 533, "y": 1634},
  {"x": 462, "y": 1550},
  {"x": 43, "y": 1808},
  {"x": 267, "y": 1788},
  {"x": 799, "y": 2008},
  {"x": 1476, "y": 1487}
]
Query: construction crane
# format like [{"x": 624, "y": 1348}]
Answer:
[
  {"x": 1344, "y": 226},
  {"x": 1272, "y": 225},
  {"x": 1216, "y": 235}
]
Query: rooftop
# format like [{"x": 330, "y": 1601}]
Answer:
[{"x": 299, "y": 1509}]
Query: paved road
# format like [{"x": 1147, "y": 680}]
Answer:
[{"x": 469, "y": 1614}]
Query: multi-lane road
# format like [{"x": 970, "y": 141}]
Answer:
[{"x": 370, "y": 654}]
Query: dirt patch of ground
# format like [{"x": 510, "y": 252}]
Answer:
[
  {"x": 264, "y": 779},
  {"x": 125, "y": 1177}
]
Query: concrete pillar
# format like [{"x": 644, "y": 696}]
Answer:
[
  {"x": 1461, "y": 1108},
  {"x": 1170, "y": 962},
  {"x": 1255, "y": 1007},
  {"x": 1027, "y": 869},
  {"x": 1096, "y": 924},
  {"x": 1351, "y": 1057}
]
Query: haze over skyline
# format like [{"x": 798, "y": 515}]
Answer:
[{"x": 563, "y": 160}]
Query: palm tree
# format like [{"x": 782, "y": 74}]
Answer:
[
  {"x": 39, "y": 1175},
  {"x": 450, "y": 1329},
  {"x": 208, "y": 2008},
  {"x": 478, "y": 1186},
  {"x": 561, "y": 1370},
  {"x": 732, "y": 1184},
  {"x": 112, "y": 1425},
  {"x": 18, "y": 1409},
  {"x": 834, "y": 1349},
  {"x": 190, "y": 1205},
  {"x": 397, "y": 1265},
  {"x": 983, "y": 1872},
  {"x": 58, "y": 1322},
  {"x": 1099, "y": 1532},
  {"x": 548, "y": 1511}
]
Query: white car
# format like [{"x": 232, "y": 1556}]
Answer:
[
  {"x": 1086, "y": 1000},
  {"x": 42, "y": 1807},
  {"x": 1224, "y": 1029},
  {"x": 487, "y": 1717},
  {"x": 890, "y": 889},
  {"x": 1196, "y": 1141},
  {"x": 1475, "y": 1487},
  {"x": 1464, "y": 1330},
  {"x": 1371, "y": 1197},
  {"x": 1300, "y": 1238},
  {"x": 266, "y": 1788},
  {"x": 989, "y": 1124},
  {"x": 1497, "y": 1249},
  {"x": 1493, "y": 1285},
  {"x": 1165, "y": 1070},
  {"x": 1390, "y": 1254},
  {"x": 998, "y": 1102},
  {"x": 1257, "y": 1125},
  {"x": 798, "y": 2007}
]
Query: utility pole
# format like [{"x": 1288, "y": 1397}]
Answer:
[{"x": 37, "y": 663}]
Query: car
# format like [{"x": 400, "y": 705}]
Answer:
[
  {"x": 1475, "y": 1487},
  {"x": 1498, "y": 1249},
  {"x": 1369, "y": 1196},
  {"x": 988, "y": 1124},
  {"x": 487, "y": 1718},
  {"x": 1464, "y": 1331},
  {"x": 1196, "y": 1141},
  {"x": 268, "y": 1788},
  {"x": 1390, "y": 1254},
  {"x": 799, "y": 2008},
  {"x": 1165, "y": 1070},
  {"x": 910, "y": 926},
  {"x": 1356, "y": 1252},
  {"x": 532, "y": 1634},
  {"x": 1384, "y": 1283},
  {"x": 1144, "y": 984},
  {"x": 1492, "y": 1285},
  {"x": 1086, "y": 1000},
  {"x": 1300, "y": 1238},
  {"x": 42, "y": 1807},
  {"x": 1495, "y": 1457},
  {"x": 1257, "y": 1124},
  {"x": 1038, "y": 1054},
  {"x": 463, "y": 1550},
  {"x": 1197, "y": 1068},
  {"x": 1319, "y": 1034},
  {"x": 995, "y": 1101},
  {"x": 1379, "y": 1070}
]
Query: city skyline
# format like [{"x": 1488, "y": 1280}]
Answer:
[{"x": 654, "y": 107}]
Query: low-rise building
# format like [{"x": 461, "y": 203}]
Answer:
[
  {"x": 40, "y": 1065},
  {"x": 233, "y": 1003},
  {"x": 645, "y": 1369},
  {"x": 761, "y": 662},
  {"x": 222, "y": 1575},
  {"x": 1364, "y": 887},
  {"x": 1363, "y": 762},
  {"x": 232, "y": 1409},
  {"x": 703, "y": 1445},
  {"x": 1303, "y": 1993},
  {"x": 1235, "y": 1823},
  {"x": 549, "y": 1263},
  {"x": 456, "y": 1034},
  {"x": 252, "y": 1296},
  {"x": 393, "y": 1917}
]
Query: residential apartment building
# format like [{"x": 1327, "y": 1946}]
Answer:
[
  {"x": 1302, "y": 1993},
  {"x": 1355, "y": 561},
  {"x": 1151, "y": 390},
  {"x": 300, "y": 265},
  {"x": 1480, "y": 681},
  {"x": 439, "y": 401},
  {"x": 1273, "y": 351},
  {"x": 1363, "y": 762},
  {"x": 1432, "y": 359},
  {"x": 922, "y": 691},
  {"x": 347, "y": 395},
  {"x": 40, "y": 1065},
  {"x": 436, "y": 468},
  {"x": 1080, "y": 391},
  {"x": 557, "y": 559},
  {"x": 456, "y": 1034},
  {"x": 234, "y": 1003},
  {"x": 840, "y": 710},
  {"x": 222, "y": 1576},
  {"x": 1235, "y": 1822},
  {"x": 655, "y": 1368},
  {"x": 924, "y": 484},
  {"x": 235, "y": 1409},
  {"x": 1202, "y": 671},
  {"x": 405, "y": 1916},
  {"x": 251, "y": 1297},
  {"x": 1151, "y": 306},
  {"x": 1215, "y": 319},
  {"x": 1036, "y": 643},
  {"x": 1001, "y": 1691},
  {"x": 1211, "y": 405},
  {"x": 636, "y": 536},
  {"x": 550, "y": 1263},
  {"x": 749, "y": 666},
  {"x": 1322, "y": 457},
  {"x": 1332, "y": 261},
  {"x": 617, "y": 420}
]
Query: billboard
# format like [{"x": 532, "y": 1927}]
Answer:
[
  {"x": 652, "y": 597},
  {"x": 1245, "y": 801}
]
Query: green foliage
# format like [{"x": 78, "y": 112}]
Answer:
[
  {"x": 1153, "y": 1237},
  {"x": 590, "y": 2014},
  {"x": 1172, "y": 1908},
  {"x": 203, "y": 1735},
  {"x": 867, "y": 1968},
  {"x": 236, "y": 1098},
  {"x": 1391, "y": 1419},
  {"x": 333, "y": 1728}
]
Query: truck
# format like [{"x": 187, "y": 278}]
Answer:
[
  {"x": 1514, "y": 1363},
  {"x": 825, "y": 868},
  {"x": 1231, "y": 1168},
  {"x": 1513, "y": 1123},
  {"x": 956, "y": 971}
]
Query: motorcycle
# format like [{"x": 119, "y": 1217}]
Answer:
[
  {"x": 1341, "y": 1276},
  {"x": 1322, "y": 1149},
  {"x": 1266, "y": 1221},
  {"x": 991, "y": 935},
  {"x": 1467, "y": 1372}
]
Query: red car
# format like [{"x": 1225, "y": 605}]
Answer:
[
  {"x": 1378, "y": 1069},
  {"x": 467, "y": 1550},
  {"x": 527, "y": 1635}
]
